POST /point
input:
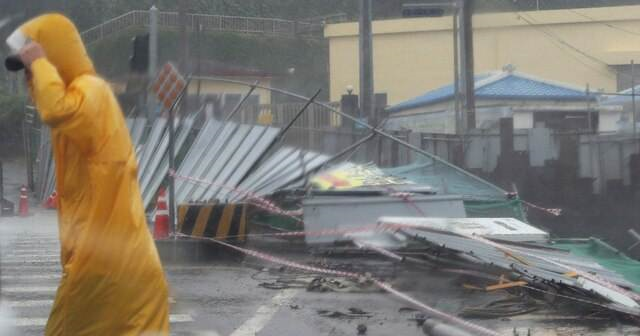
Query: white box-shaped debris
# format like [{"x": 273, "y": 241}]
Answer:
[
  {"x": 322, "y": 213},
  {"x": 507, "y": 229}
]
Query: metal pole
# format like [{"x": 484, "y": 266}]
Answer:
[
  {"x": 280, "y": 136},
  {"x": 366, "y": 62},
  {"x": 466, "y": 62},
  {"x": 153, "y": 61},
  {"x": 1, "y": 189},
  {"x": 172, "y": 163},
  {"x": 359, "y": 122},
  {"x": 26, "y": 133},
  {"x": 456, "y": 70},
  {"x": 184, "y": 45},
  {"x": 633, "y": 99},
  {"x": 153, "y": 41},
  {"x": 241, "y": 102},
  {"x": 199, "y": 35},
  {"x": 589, "y": 122}
]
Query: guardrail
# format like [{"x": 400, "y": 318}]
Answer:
[{"x": 237, "y": 24}]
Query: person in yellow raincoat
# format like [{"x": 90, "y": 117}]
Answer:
[{"x": 112, "y": 280}]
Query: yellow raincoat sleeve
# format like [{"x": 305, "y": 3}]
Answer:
[{"x": 71, "y": 110}]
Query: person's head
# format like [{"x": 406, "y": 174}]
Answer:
[{"x": 60, "y": 41}]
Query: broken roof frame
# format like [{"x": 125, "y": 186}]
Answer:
[
  {"x": 538, "y": 265},
  {"x": 224, "y": 159},
  {"x": 374, "y": 130}
]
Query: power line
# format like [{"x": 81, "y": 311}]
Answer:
[
  {"x": 605, "y": 23},
  {"x": 561, "y": 42},
  {"x": 530, "y": 22}
]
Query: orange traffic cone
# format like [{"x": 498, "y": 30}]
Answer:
[
  {"x": 23, "y": 207},
  {"x": 52, "y": 201},
  {"x": 161, "y": 225}
]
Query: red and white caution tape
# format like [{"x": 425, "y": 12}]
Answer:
[
  {"x": 475, "y": 329},
  {"x": 252, "y": 198},
  {"x": 551, "y": 211}
]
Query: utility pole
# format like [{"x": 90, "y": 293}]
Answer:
[
  {"x": 153, "y": 61},
  {"x": 633, "y": 99},
  {"x": 589, "y": 122},
  {"x": 184, "y": 47},
  {"x": 456, "y": 70},
  {"x": 153, "y": 42},
  {"x": 467, "y": 80},
  {"x": 366, "y": 63},
  {"x": 184, "y": 43}
]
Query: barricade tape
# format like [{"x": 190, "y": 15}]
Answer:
[
  {"x": 269, "y": 206},
  {"x": 253, "y": 199},
  {"x": 551, "y": 211},
  {"x": 406, "y": 197},
  {"x": 475, "y": 329}
]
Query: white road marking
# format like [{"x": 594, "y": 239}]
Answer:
[
  {"x": 51, "y": 276},
  {"x": 51, "y": 268},
  {"x": 28, "y": 303},
  {"x": 180, "y": 318},
  {"x": 17, "y": 253},
  {"x": 39, "y": 289},
  {"x": 34, "y": 256},
  {"x": 4, "y": 263},
  {"x": 29, "y": 322},
  {"x": 29, "y": 258},
  {"x": 41, "y": 322},
  {"x": 264, "y": 314},
  {"x": 32, "y": 243}
]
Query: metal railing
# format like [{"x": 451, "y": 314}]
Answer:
[
  {"x": 316, "y": 116},
  {"x": 236, "y": 24}
]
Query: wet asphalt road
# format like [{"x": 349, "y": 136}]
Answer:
[
  {"x": 224, "y": 297},
  {"x": 220, "y": 298}
]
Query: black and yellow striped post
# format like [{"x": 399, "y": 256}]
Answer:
[{"x": 214, "y": 220}]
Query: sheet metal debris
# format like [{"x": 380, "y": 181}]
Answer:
[
  {"x": 349, "y": 212},
  {"x": 539, "y": 265},
  {"x": 507, "y": 229}
]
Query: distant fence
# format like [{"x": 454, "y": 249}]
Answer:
[
  {"x": 605, "y": 159},
  {"x": 237, "y": 24}
]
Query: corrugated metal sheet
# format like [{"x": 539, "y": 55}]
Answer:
[
  {"x": 154, "y": 176},
  {"x": 150, "y": 145},
  {"x": 223, "y": 155},
  {"x": 265, "y": 169},
  {"x": 285, "y": 167},
  {"x": 195, "y": 154},
  {"x": 208, "y": 155},
  {"x": 137, "y": 130},
  {"x": 532, "y": 263},
  {"x": 254, "y": 144}
]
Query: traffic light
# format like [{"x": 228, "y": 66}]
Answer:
[{"x": 139, "y": 60}]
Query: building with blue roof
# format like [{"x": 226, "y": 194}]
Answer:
[
  {"x": 530, "y": 101},
  {"x": 618, "y": 110}
]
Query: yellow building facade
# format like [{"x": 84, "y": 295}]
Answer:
[{"x": 412, "y": 56}]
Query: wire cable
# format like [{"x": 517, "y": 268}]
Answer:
[
  {"x": 560, "y": 42},
  {"x": 590, "y": 18}
]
